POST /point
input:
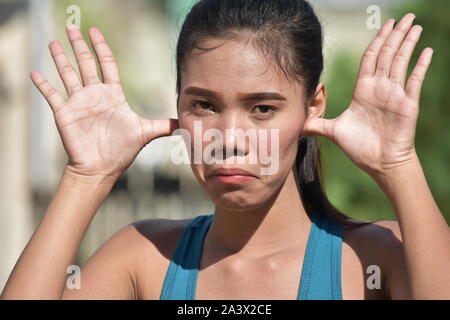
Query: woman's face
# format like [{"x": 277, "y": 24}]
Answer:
[{"x": 235, "y": 87}]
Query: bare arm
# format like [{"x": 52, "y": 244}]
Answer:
[
  {"x": 110, "y": 273},
  {"x": 102, "y": 136},
  {"x": 377, "y": 132},
  {"x": 425, "y": 236},
  {"x": 40, "y": 272}
]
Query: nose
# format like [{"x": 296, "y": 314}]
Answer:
[{"x": 234, "y": 131}]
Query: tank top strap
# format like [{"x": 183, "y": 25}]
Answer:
[
  {"x": 321, "y": 272},
  {"x": 181, "y": 277}
]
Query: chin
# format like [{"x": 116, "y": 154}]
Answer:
[
  {"x": 235, "y": 205},
  {"x": 236, "y": 200}
]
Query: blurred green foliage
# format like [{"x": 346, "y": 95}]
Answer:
[{"x": 349, "y": 188}]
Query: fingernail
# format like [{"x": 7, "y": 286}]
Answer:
[{"x": 94, "y": 30}]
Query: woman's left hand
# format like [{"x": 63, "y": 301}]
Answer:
[{"x": 377, "y": 130}]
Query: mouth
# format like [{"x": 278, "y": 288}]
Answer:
[
  {"x": 233, "y": 179},
  {"x": 232, "y": 176}
]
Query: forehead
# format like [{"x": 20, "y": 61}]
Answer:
[{"x": 235, "y": 65}]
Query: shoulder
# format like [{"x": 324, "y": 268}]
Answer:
[
  {"x": 382, "y": 237},
  {"x": 378, "y": 231},
  {"x": 153, "y": 242},
  {"x": 131, "y": 263},
  {"x": 145, "y": 234},
  {"x": 380, "y": 244},
  {"x": 159, "y": 233}
]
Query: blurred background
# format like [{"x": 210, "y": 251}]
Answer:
[{"x": 142, "y": 35}]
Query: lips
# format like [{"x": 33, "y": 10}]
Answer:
[{"x": 232, "y": 172}]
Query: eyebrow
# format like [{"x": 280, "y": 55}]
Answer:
[{"x": 257, "y": 96}]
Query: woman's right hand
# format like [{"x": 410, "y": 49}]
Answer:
[{"x": 101, "y": 134}]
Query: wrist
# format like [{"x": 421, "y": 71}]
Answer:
[
  {"x": 395, "y": 177},
  {"x": 89, "y": 179}
]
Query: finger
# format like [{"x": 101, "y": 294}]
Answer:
[
  {"x": 85, "y": 59},
  {"x": 414, "y": 85},
  {"x": 369, "y": 59},
  {"x": 105, "y": 56},
  {"x": 153, "y": 129},
  {"x": 403, "y": 56},
  {"x": 65, "y": 69},
  {"x": 390, "y": 47},
  {"x": 50, "y": 94},
  {"x": 319, "y": 126}
]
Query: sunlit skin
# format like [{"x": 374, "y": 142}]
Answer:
[{"x": 260, "y": 225}]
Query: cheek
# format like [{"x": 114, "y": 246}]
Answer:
[
  {"x": 184, "y": 121},
  {"x": 290, "y": 125},
  {"x": 289, "y": 139},
  {"x": 194, "y": 148}
]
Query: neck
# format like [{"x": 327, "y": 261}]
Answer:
[{"x": 278, "y": 225}]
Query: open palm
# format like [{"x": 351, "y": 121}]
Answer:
[
  {"x": 377, "y": 130},
  {"x": 101, "y": 134}
]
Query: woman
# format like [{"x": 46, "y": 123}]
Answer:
[{"x": 245, "y": 64}]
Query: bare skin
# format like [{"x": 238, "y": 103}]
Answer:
[
  {"x": 244, "y": 244},
  {"x": 238, "y": 279}
]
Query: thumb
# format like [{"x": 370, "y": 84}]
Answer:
[
  {"x": 319, "y": 126},
  {"x": 153, "y": 129}
]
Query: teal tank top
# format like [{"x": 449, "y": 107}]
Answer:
[{"x": 321, "y": 271}]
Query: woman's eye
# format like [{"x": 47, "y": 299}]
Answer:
[
  {"x": 261, "y": 111},
  {"x": 264, "y": 110},
  {"x": 202, "y": 106}
]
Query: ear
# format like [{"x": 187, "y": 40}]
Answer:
[{"x": 317, "y": 104}]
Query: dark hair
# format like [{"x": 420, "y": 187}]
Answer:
[{"x": 290, "y": 33}]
